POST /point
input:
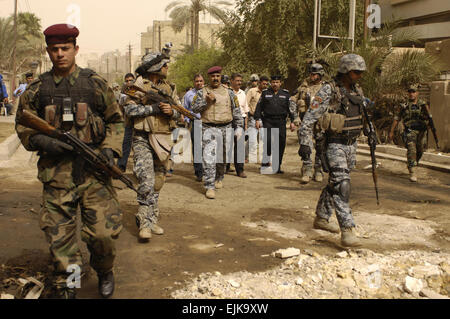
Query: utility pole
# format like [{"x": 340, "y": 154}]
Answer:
[
  {"x": 129, "y": 54},
  {"x": 13, "y": 80},
  {"x": 159, "y": 36},
  {"x": 107, "y": 69},
  {"x": 366, "y": 16}
]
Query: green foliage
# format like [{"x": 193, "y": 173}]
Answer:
[
  {"x": 276, "y": 35},
  {"x": 30, "y": 41},
  {"x": 187, "y": 65},
  {"x": 185, "y": 13}
]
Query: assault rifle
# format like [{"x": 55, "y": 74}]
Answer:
[
  {"x": 98, "y": 161},
  {"x": 373, "y": 145},
  {"x": 433, "y": 128},
  {"x": 156, "y": 96}
]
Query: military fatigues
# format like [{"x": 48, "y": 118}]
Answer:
[
  {"x": 303, "y": 99},
  {"x": 68, "y": 181},
  {"x": 152, "y": 145},
  {"x": 273, "y": 109},
  {"x": 333, "y": 105},
  {"x": 217, "y": 118},
  {"x": 415, "y": 119}
]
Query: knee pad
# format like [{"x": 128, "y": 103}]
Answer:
[
  {"x": 345, "y": 190},
  {"x": 159, "y": 181}
]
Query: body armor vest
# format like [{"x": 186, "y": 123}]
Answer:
[
  {"x": 414, "y": 118},
  {"x": 78, "y": 101},
  {"x": 220, "y": 112},
  {"x": 345, "y": 112},
  {"x": 156, "y": 124}
]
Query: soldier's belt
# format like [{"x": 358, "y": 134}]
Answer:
[
  {"x": 216, "y": 125},
  {"x": 342, "y": 140}
]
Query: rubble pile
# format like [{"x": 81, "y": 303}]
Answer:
[{"x": 359, "y": 273}]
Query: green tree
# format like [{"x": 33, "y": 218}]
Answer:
[
  {"x": 30, "y": 42},
  {"x": 185, "y": 13},
  {"x": 188, "y": 64}
]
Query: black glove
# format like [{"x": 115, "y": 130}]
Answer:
[
  {"x": 304, "y": 152},
  {"x": 49, "y": 145},
  {"x": 109, "y": 154},
  {"x": 372, "y": 138},
  {"x": 156, "y": 109}
]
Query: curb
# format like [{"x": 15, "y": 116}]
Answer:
[
  {"x": 426, "y": 164},
  {"x": 9, "y": 147}
]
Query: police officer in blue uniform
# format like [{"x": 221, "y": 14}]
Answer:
[{"x": 271, "y": 113}]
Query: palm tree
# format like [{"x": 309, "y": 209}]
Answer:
[
  {"x": 30, "y": 42},
  {"x": 187, "y": 12}
]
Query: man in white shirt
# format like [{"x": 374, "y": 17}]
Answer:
[{"x": 239, "y": 157}]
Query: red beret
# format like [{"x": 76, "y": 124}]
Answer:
[
  {"x": 215, "y": 69},
  {"x": 61, "y": 33}
]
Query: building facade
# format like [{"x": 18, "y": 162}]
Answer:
[{"x": 161, "y": 32}]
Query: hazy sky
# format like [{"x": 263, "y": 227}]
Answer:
[{"x": 105, "y": 25}]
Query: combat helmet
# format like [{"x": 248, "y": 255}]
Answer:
[
  {"x": 317, "y": 68},
  {"x": 254, "y": 77},
  {"x": 352, "y": 62},
  {"x": 154, "y": 61}
]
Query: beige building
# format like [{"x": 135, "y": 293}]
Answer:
[
  {"x": 161, "y": 32},
  {"x": 429, "y": 19}
]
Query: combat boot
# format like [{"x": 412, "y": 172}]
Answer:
[
  {"x": 306, "y": 174},
  {"x": 305, "y": 179},
  {"x": 106, "y": 284},
  {"x": 157, "y": 230},
  {"x": 412, "y": 174},
  {"x": 143, "y": 223},
  {"x": 349, "y": 239},
  {"x": 318, "y": 176},
  {"x": 323, "y": 224},
  {"x": 219, "y": 185},
  {"x": 210, "y": 194}
]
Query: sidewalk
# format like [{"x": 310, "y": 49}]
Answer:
[{"x": 395, "y": 153}]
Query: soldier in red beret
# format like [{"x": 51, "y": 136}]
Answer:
[
  {"x": 220, "y": 111},
  {"x": 90, "y": 112}
]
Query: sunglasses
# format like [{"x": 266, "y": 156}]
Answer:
[{"x": 358, "y": 72}]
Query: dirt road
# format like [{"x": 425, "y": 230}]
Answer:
[{"x": 250, "y": 218}]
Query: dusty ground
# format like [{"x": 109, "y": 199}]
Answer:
[
  {"x": 6, "y": 129},
  {"x": 251, "y": 218}
]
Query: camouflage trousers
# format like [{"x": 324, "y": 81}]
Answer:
[
  {"x": 308, "y": 164},
  {"x": 214, "y": 138},
  {"x": 150, "y": 173},
  {"x": 341, "y": 159},
  {"x": 101, "y": 222},
  {"x": 415, "y": 142}
]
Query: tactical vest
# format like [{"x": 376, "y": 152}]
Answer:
[
  {"x": 308, "y": 92},
  {"x": 87, "y": 121},
  {"x": 156, "y": 124},
  {"x": 344, "y": 116},
  {"x": 413, "y": 117},
  {"x": 220, "y": 112}
]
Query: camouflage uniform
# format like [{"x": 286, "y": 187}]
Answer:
[
  {"x": 151, "y": 148},
  {"x": 303, "y": 99},
  {"x": 415, "y": 120},
  {"x": 341, "y": 147},
  {"x": 68, "y": 185},
  {"x": 213, "y": 171}
]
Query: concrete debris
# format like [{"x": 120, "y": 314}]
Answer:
[
  {"x": 412, "y": 285},
  {"x": 363, "y": 274},
  {"x": 287, "y": 253}
]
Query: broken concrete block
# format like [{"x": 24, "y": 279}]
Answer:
[
  {"x": 287, "y": 253},
  {"x": 432, "y": 294},
  {"x": 412, "y": 285}
]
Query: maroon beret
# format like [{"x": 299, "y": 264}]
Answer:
[
  {"x": 215, "y": 69},
  {"x": 61, "y": 33}
]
